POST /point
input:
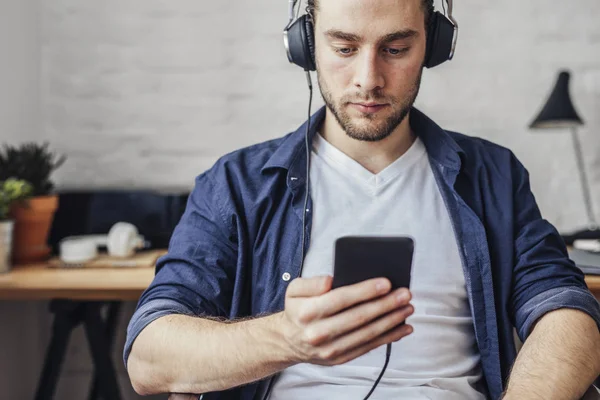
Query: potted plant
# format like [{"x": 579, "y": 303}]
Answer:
[
  {"x": 34, "y": 163},
  {"x": 11, "y": 191}
]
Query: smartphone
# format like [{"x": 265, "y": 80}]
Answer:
[{"x": 358, "y": 258}]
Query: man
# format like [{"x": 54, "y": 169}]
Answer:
[{"x": 225, "y": 316}]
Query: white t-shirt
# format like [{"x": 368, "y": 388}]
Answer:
[{"x": 440, "y": 359}]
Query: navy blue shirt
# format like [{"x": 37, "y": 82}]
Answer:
[{"x": 242, "y": 232}]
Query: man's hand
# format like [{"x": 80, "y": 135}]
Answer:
[
  {"x": 331, "y": 327},
  {"x": 319, "y": 326}
]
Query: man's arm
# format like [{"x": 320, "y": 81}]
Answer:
[
  {"x": 559, "y": 360},
  {"x": 555, "y": 315},
  {"x": 184, "y": 354}
]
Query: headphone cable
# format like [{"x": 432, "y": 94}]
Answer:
[
  {"x": 307, "y": 180},
  {"x": 388, "y": 351},
  {"x": 306, "y": 197}
]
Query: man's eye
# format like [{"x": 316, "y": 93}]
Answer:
[
  {"x": 396, "y": 52},
  {"x": 345, "y": 51}
]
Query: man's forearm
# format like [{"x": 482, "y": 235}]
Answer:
[
  {"x": 559, "y": 360},
  {"x": 183, "y": 354}
]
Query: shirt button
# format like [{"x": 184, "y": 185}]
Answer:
[{"x": 286, "y": 277}]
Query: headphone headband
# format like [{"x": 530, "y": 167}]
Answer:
[
  {"x": 286, "y": 30},
  {"x": 291, "y": 7},
  {"x": 455, "y": 24},
  {"x": 299, "y": 42}
]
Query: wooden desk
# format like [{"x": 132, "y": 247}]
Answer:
[
  {"x": 40, "y": 282},
  {"x": 78, "y": 296},
  {"x": 593, "y": 283}
]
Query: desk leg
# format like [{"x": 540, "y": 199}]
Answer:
[
  {"x": 96, "y": 334},
  {"x": 112, "y": 320},
  {"x": 66, "y": 317}
]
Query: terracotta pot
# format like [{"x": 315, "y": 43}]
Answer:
[{"x": 32, "y": 225}]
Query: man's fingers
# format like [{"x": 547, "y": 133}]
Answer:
[
  {"x": 372, "y": 331},
  {"x": 349, "y": 320},
  {"x": 345, "y": 297},
  {"x": 309, "y": 287}
]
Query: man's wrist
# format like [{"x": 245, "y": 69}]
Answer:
[{"x": 272, "y": 329}]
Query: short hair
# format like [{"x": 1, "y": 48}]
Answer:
[{"x": 427, "y": 6}]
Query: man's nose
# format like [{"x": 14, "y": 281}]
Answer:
[{"x": 368, "y": 75}]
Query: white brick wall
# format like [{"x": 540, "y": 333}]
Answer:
[
  {"x": 19, "y": 71},
  {"x": 22, "y": 326},
  {"x": 148, "y": 93},
  {"x": 161, "y": 89}
]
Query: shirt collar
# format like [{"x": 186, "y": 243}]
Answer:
[
  {"x": 440, "y": 146},
  {"x": 292, "y": 144}
]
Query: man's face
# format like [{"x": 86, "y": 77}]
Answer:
[{"x": 369, "y": 57}]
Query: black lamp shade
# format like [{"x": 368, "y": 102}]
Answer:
[{"x": 559, "y": 111}]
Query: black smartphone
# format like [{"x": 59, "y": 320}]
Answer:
[{"x": 358, "y": 258}]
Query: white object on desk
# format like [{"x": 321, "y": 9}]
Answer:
[
  {"x": 587, "y": 245},
  {"x": 122, "y": 240}
]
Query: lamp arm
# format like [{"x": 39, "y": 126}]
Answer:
[{"x": 583, "y": 177}]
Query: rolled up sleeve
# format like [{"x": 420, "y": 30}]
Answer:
[
  {"x": 544, "y": 278},
  {"x": 554, "y": 299},
  {"x": 144, "y": 315},
  {"x": 196, "y": 276}
]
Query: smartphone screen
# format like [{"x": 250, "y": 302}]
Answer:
[{"x": 358, "y": 258}]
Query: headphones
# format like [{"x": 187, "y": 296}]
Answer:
[
  {"x": 299, "y": 42},
  {"x": 299, "y": 39},
  {"x": 122, "y": 240}
]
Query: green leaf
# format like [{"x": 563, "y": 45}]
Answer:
[{"x": 31, "y": 162}]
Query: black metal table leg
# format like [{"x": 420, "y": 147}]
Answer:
[
  {"x": 112, "y": 320},
  {"x": 67, "y": 316},
  {"x": 96, "y": 333}
]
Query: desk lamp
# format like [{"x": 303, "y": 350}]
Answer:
[{"x": 559, "y": 113}]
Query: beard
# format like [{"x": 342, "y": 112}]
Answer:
[{"x": 374, "y": 131}]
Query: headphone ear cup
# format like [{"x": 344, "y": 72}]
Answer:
[
  {"x": 122, "y": 239},
  {"x": 310, "y": 40},
  {"x": 301, "y": 44},
  {"x": 440, "y": 35}
]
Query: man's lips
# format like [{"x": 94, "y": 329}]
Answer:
[{"x": 368, "y": 108}]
